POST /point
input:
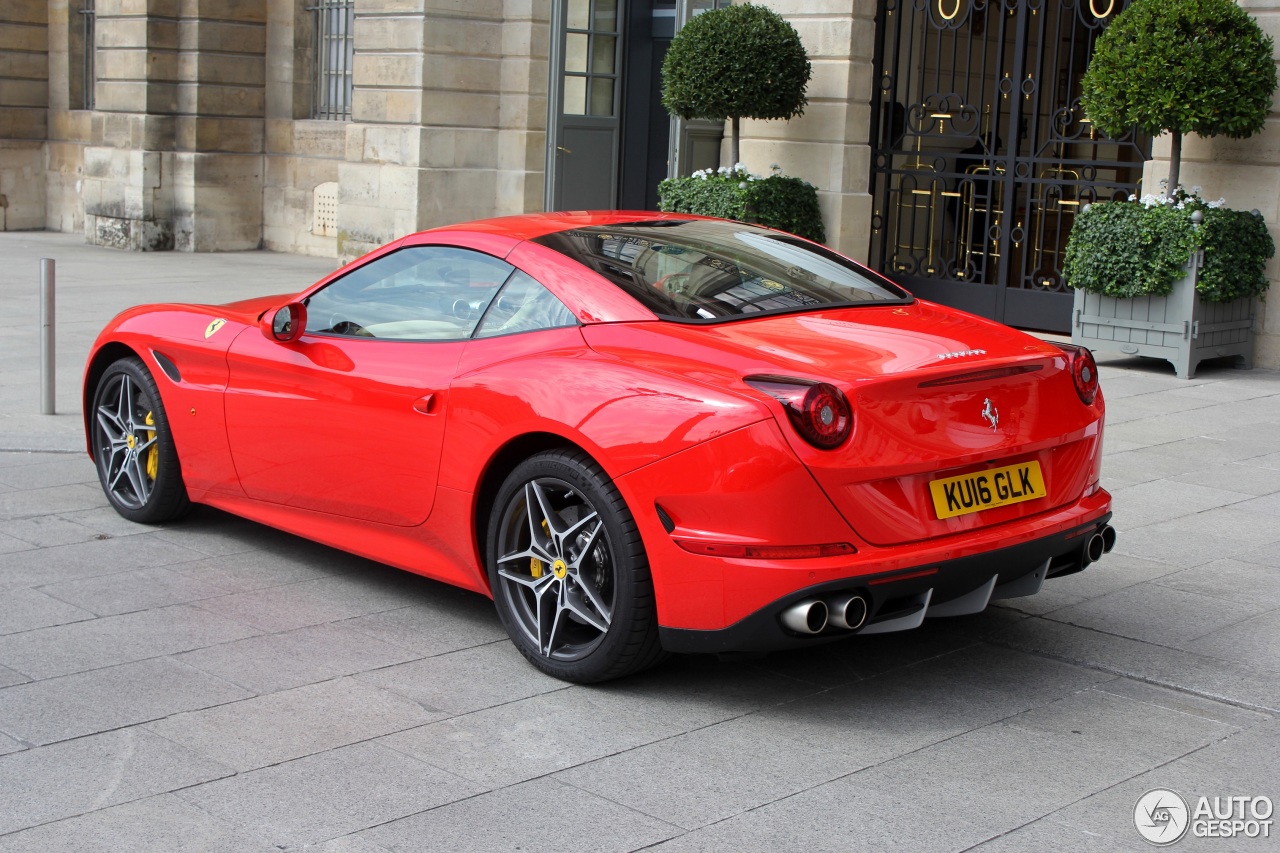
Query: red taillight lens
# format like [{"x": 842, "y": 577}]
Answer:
[
  {"x": 818, "y": 410},
  {"x": 1084, "y": 371}
]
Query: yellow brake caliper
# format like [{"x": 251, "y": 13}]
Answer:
[
  {"x": 535, "y": 565},
  {"x": 153, "y": 454}
]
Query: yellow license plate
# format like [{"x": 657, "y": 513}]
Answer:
[{"x": 994, "y": 487}]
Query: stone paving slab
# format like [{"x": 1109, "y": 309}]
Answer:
[{"x": 214, "y": 685}]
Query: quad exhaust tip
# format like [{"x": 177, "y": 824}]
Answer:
[
  {"x": 846, "y": 611},
  {"x": 1100, "y": 543},
  {"x": 806, "y": 617}
]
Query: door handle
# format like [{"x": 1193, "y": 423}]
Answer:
[
  {"x": 562, "y": 148},
  {"x": 426, "y": 404}
]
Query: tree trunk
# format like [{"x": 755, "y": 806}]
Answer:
[
  {"x": 736, "y": 155},
  {"x": 1175, "y": 162}
]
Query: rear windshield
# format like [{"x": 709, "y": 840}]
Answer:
[{"x": 706, "y": 271}]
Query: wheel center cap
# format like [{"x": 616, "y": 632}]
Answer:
[
  {"x": 560, "y": 569},
  {"x": 130, "y": 440}
]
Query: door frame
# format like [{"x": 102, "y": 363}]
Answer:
[{"x": 555, "y": 100}]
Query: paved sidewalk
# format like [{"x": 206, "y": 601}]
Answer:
[{"x": 215, "y": 685}]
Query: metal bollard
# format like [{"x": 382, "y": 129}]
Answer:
[{"x": 48, "y": 366}]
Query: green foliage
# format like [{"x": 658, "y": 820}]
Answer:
[
  {"x": 1139, "y": 248},
  {"x": 1198, "y": 66},
  {"x": 1236, "y": 245},
  {"x": 778, "y": 201},
  {"x": 737, "y": 62}
]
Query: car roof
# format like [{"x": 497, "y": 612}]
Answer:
[{"x": 530, "y": 226}]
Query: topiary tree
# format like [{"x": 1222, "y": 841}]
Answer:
[
  {"x": 737, "y": 62},
  {"x": 1182, "y": 66}
]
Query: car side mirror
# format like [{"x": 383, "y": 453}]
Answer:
[{"x": 286, "y": 323}]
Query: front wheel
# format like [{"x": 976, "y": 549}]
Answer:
[
  {"x": 132, "y": 446},
  {"x": 568, "y": 571}
]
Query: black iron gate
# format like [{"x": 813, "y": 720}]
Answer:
[{"x": 982, "y": 154}]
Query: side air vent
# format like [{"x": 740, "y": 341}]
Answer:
[{"x": 170, "y": 369}]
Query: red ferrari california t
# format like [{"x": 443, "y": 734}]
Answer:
[{"x": 638, "y": 433}]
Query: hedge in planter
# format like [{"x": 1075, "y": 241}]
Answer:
[
  {"x": 1150, "y": 283},
  {"x": 1139, "y": 248},
  {"x": 778, "y": 201}
]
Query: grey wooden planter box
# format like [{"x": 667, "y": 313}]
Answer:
[{"x": 1181, "y": 327}]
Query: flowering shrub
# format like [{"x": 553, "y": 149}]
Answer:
[
  {"x": 775, "y": 201},
  {"x": 1140, "y": 247}
]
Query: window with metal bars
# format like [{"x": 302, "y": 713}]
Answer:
[
  {"x": 334, "y": 51},
  {"x": 81, "y": 48}
]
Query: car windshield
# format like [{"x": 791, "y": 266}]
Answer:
[{"x": 712, "y": 270}]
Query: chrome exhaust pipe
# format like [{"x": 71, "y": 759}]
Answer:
[
  {"x": 847, "y": 610},
  {"x": 1095, "y": 548},
  {"x": 1108, "y": 539},
  {"x": 806, "y": 617}
]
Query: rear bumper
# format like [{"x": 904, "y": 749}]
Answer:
[{"x": 899, "y": 600}]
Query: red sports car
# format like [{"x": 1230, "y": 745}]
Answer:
[{"x": 639, "y": 433}]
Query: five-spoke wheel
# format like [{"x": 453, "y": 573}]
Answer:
[
  {"x": 568, "y": 570},
  {"x": 137, "y": 462}
]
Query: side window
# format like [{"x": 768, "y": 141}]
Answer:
[
  {"x": 422, "y": 293},
  {"x": 524, "y": 305}
]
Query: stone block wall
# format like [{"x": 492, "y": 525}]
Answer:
[
  {"x": 829, "y": 145},
  {"x": 300, "y": 153},
  {"x": 69, "y": 126},
  {"x": 421, "y": 146},
  {"x": 24, "y": 98},
  {"x": 448, "y": 121}
]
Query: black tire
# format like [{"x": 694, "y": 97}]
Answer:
[
  {"x": 137, "y": 461},
  {"x": 569, "y": 573}
]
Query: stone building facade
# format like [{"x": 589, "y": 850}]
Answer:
[
  {"x": 327, "y": 127},
  {"x": 199, "y": 132}
]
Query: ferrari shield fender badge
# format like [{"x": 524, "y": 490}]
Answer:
[
  {"x": 213, "y": 327},
  {"x": 990, "y": 413}
]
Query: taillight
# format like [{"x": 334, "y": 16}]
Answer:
[
  {"x": 818, "y": 410},
  {"x": 1084, "y": 371}
]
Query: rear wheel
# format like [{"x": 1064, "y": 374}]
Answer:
[
  {"x": 136, "y": 458},
  {"x": 568, "y": 571}
]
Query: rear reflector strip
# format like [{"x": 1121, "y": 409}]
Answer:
[
  {"x": 982, "y": 375},
  {"x": 767, "y": 552}
]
